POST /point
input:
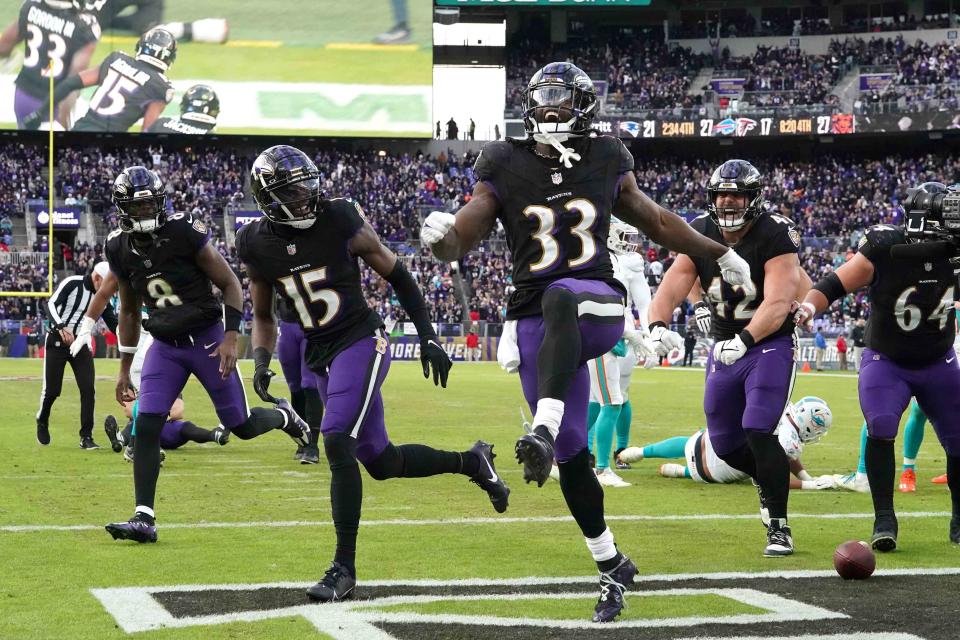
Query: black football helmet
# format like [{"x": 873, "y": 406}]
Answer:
[
  {"x": 559, "y": 98},
  {"x": 200, "y": 103},
  {"x": 739, "y": 177},
  {"x": 286, "y": 186},
  {"x": 157, "y": 47},
  {"x": 141, "y": 200}
]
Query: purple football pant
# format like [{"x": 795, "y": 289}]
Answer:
[
  {"x": 350, "y": 390},
  {"x": 167, "y": 368},
  {"x": 290, "y": 348},
  {"x": 885, "y": 390},
  {"x": 171, "y": 436},
  {"x": 598, "y": 335},
  {"x": 24, "y": 104},
  {"x": 748, "y": 395}
]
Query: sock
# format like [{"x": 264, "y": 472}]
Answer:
[
  {"x": 259, "y": 422},
  {"x": 913, "y": 435},
  {"x": 605, "y": 426},
  {"x": 549, "y": 414},
  {"x": 623, "y": 426},
  {"x": 742, "y": 459},
  {"x": 953, "y": 481},
  {"x": 862, "y": 462},
  {"x": 602, "y": 547},
  {"x": 559, "y": 356},
  {"x": 593, "y": 410},
  {"x": 421, "y": 461},
  {"x": 909, "y": 463},
  {"x": 125, "y": 436},
  {"x": 146, "y": 461},
  {"x": 312, "y": 412},
  {"x": 298, "y": 401},
  {"x": 583, "y": 494},
  {"x": 669, "y": 448},
  {"x": 773, "y": 471},
  {"x": 194, "y": 433},
  {"x": 346, "y": 496},
  {"x": 145, "y": 513},
  {"x": 881, "y": 467}
]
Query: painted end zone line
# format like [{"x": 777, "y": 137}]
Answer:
[{"x": 401, "y": 522}]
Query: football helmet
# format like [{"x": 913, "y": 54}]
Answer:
[
  {"x": 622, "y": 237},
  {"x": 141, "y": 200},
  {"x": 812, "y": 417},
  {"x": 559, "y": 99},
  {"x": 200, "y": 103},
  {"x": 738, "y": 177},
  {"x": 286, "y": 186},
  {"x": 157, "y": 47},
  {"x": 62, "y": 5}
]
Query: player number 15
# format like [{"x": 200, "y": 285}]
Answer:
[{"x": 307, "y": 282}]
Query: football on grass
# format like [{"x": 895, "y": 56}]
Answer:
[{"x": 854, "y": 560}]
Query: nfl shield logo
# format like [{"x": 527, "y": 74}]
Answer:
[
  {"x": 928, "y": 266},
  {"x": 147, "y": 264},
  {"x": 556, "y": 177},
  {"x": 292, "y": 249}
]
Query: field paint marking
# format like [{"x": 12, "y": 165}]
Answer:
[
  {"x": 399, "y": 522},
  {"x": 857, "y": 635},
  {"x": 370, "y": 46},
  {"x": 700, "y": 370}
]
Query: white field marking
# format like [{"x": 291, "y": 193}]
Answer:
[
  {"x": 401, "y": 522},
  {"x": 699, "y": 370},
  {"x": 166, "y": 474},
  {"x": 856, "y": 635}
]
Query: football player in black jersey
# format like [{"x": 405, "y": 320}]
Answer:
[
  {"x": 909, "y": 352},
  {"x": 54, "y": 32},
  {"x": 751, "y": 369},
  {"x": 555, "y": 193},
  {"x": 128, "y": 88},
  {"x": 165, "y": 262},
  {"x": 199, "y": 109},
  {"x": 306, "y": 248}
]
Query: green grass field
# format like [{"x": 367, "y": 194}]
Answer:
[{"x": 48, "y": 574}]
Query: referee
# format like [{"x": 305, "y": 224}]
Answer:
[{"x": 66, "y": 309}]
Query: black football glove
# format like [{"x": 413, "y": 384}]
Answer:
[
  {"x": 261, "y": 382},
  {"x": 432, "y": 354},
  {"x": 32, "y": 121}
]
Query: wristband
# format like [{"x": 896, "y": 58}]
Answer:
[
  {"x": 658, "y": 323},
  {"x": 831, "y": 288},
  {"x": 232, "y": 318},
  {"x": 746, "y": 338},
  {"x": 123, "y": 349}
]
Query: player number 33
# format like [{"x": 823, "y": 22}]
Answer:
[{"x": 544, "y": 234}]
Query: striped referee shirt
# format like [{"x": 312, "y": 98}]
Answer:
[{"x": 68, "y": 304}]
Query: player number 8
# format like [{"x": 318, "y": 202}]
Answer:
[{"x": 161, "y": 291}]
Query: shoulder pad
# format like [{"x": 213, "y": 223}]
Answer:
[{"x": 882, "y": 235}]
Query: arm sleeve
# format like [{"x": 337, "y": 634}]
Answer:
[{"x": 411, "y": 299}]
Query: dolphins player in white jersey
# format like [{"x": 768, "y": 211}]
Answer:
[{"x": 609, "y": 410}]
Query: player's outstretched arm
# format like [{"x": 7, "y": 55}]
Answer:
[
  {"x": 451, "y": 236},
  {"x": 850, "y": 276},
  {"x": 86, "y": 78},
  {"x": 263, "y": 337},
  {"x": 781, "y": 284},
  {"x": 128, "y": 335},
  {"x": 367, "y": 245},
  {"x": 216, "y": 268},
  {"x": 9, "y": 39}
]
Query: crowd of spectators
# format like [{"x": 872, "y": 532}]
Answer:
[
  {"x": 21, "y": 170},
  {"x": 743, "y": 24}
]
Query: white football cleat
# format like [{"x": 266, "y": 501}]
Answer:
[
  {"x": 631, "y": 454},
  {"x": 555, "y": 473},
  {"x": 609, "y": 478},
  {"x": 673, "y": 470},
  {"x": 854, "y": 482}
]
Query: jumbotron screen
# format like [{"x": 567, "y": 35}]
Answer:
[{"x": 192, "y": 66}]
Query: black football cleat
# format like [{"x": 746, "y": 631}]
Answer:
[
  {"x": 535, "y": 453},
  {"x": 337, "y": 584},
  {"x": 86, "y": 442},
  {"x": 221, "y": 435},
  {"x": 299, "y": 454},
  {"x": 885, "y": 529},
  {"x": 295, "y": 426},
  {"x": 779, "y": 539},
  {"x": 113, "y": 434},
  {"x": 310, "y": 454},
  {"x": 43, "y": 433},
  {"x": 138, "y": 528},
  {"x": 487, "y": 478},
  {"x": 613, "y": 584},
  {"x": 955, "y": 529}
]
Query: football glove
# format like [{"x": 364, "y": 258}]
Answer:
[
  {"x": 32, "y": 121},
  {"x": 82, "y": 339},
  {"x": 261, "y": 383},
  {"x": 642, "y": 345},
  {"x": 729, "y": 351},
  {"x": 664, "y": 340},
  {"x": 436, "y": 226},
  {"x": 736, "y": 271},
  {"x": 803, "y": 315},
  {"x": 703, "y": 316},
  {"x": 433, "y": 356}
]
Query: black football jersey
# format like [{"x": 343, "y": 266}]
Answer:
[
  {"x": 51, "y": 35},
  {"x": 317, "y": 276},
  {"x": 177, "y": 293},
  {"x": 126, "y": 87},
  {"x": 911, "y": 301},
  {"x": 176, "y": 125},
  {"x": 770, "y": 236},
  {"x": 556, "y": 219}
]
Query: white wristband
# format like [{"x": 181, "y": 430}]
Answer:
[{"x": 123, "y": 349}]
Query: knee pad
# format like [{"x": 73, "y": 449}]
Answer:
[
  {"x": 389, "y": 464},
  {"x": 341, "y": 450},
  {"x": 884, "y": 426},
  {"x": 557, "y": 302}
]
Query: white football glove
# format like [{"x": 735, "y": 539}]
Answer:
[
  {"x": 82, "y": 339},
  {"x": 641, "y": 344},
  {"x": 736, "y": 271},
  {"x": 436, "y": 226},
  {"x": 729, "y": 351},
  {"x": 664, "y": 340},
  {"x": 703, "y": 316},
  {"x": 819, "y": 484},
  {"x": 803, "y": 315}
]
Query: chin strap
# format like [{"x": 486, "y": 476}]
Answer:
[{"x": 556, "y": 141}]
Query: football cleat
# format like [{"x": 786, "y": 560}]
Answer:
[
  {"x": 294, "y": 426},
  {"x": 555, "y": 473},
  {"x": 299, "y": 454},
  {"x": 673, "y": 470},
  {"x": 43, "y": 433},
  {"x": 138, "y": 528},
  {"x": 397, "y": 35},
  {"x": 487, "y": 478},
  {"x": 337, "y": 584},
  {"x": 779, "y": 539},
  {"x": 955, "y": 529},
  {"x": 221, "y": 435},
  {"x": 113, "y": 434},
  {"x": 854, "y": 482},
  {"x": 535, "y": 453},
  {"x": 86, "y": 442},
  {"x": 609, "y": 478},
  {"x": 310, "y": 454},
  {"x": 621, "y": 466},
  {"x": 885, "y": 531},
  {"x": 908, "y": 481},
  {"x": 128, "y": 454},
  {"x": 630, "y": 454},
  {"x": 940, "y": 479},
  {"x": 613, "y": 584}
]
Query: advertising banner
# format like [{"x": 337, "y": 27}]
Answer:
[
  {"x": 875, "y": 81},
  {"x": 727, "y": 86},
  {"x": 63, "y": 217},
  {"x": 243, "y": 217}
]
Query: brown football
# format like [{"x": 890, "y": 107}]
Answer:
[{"x": 854, "y": 560}]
